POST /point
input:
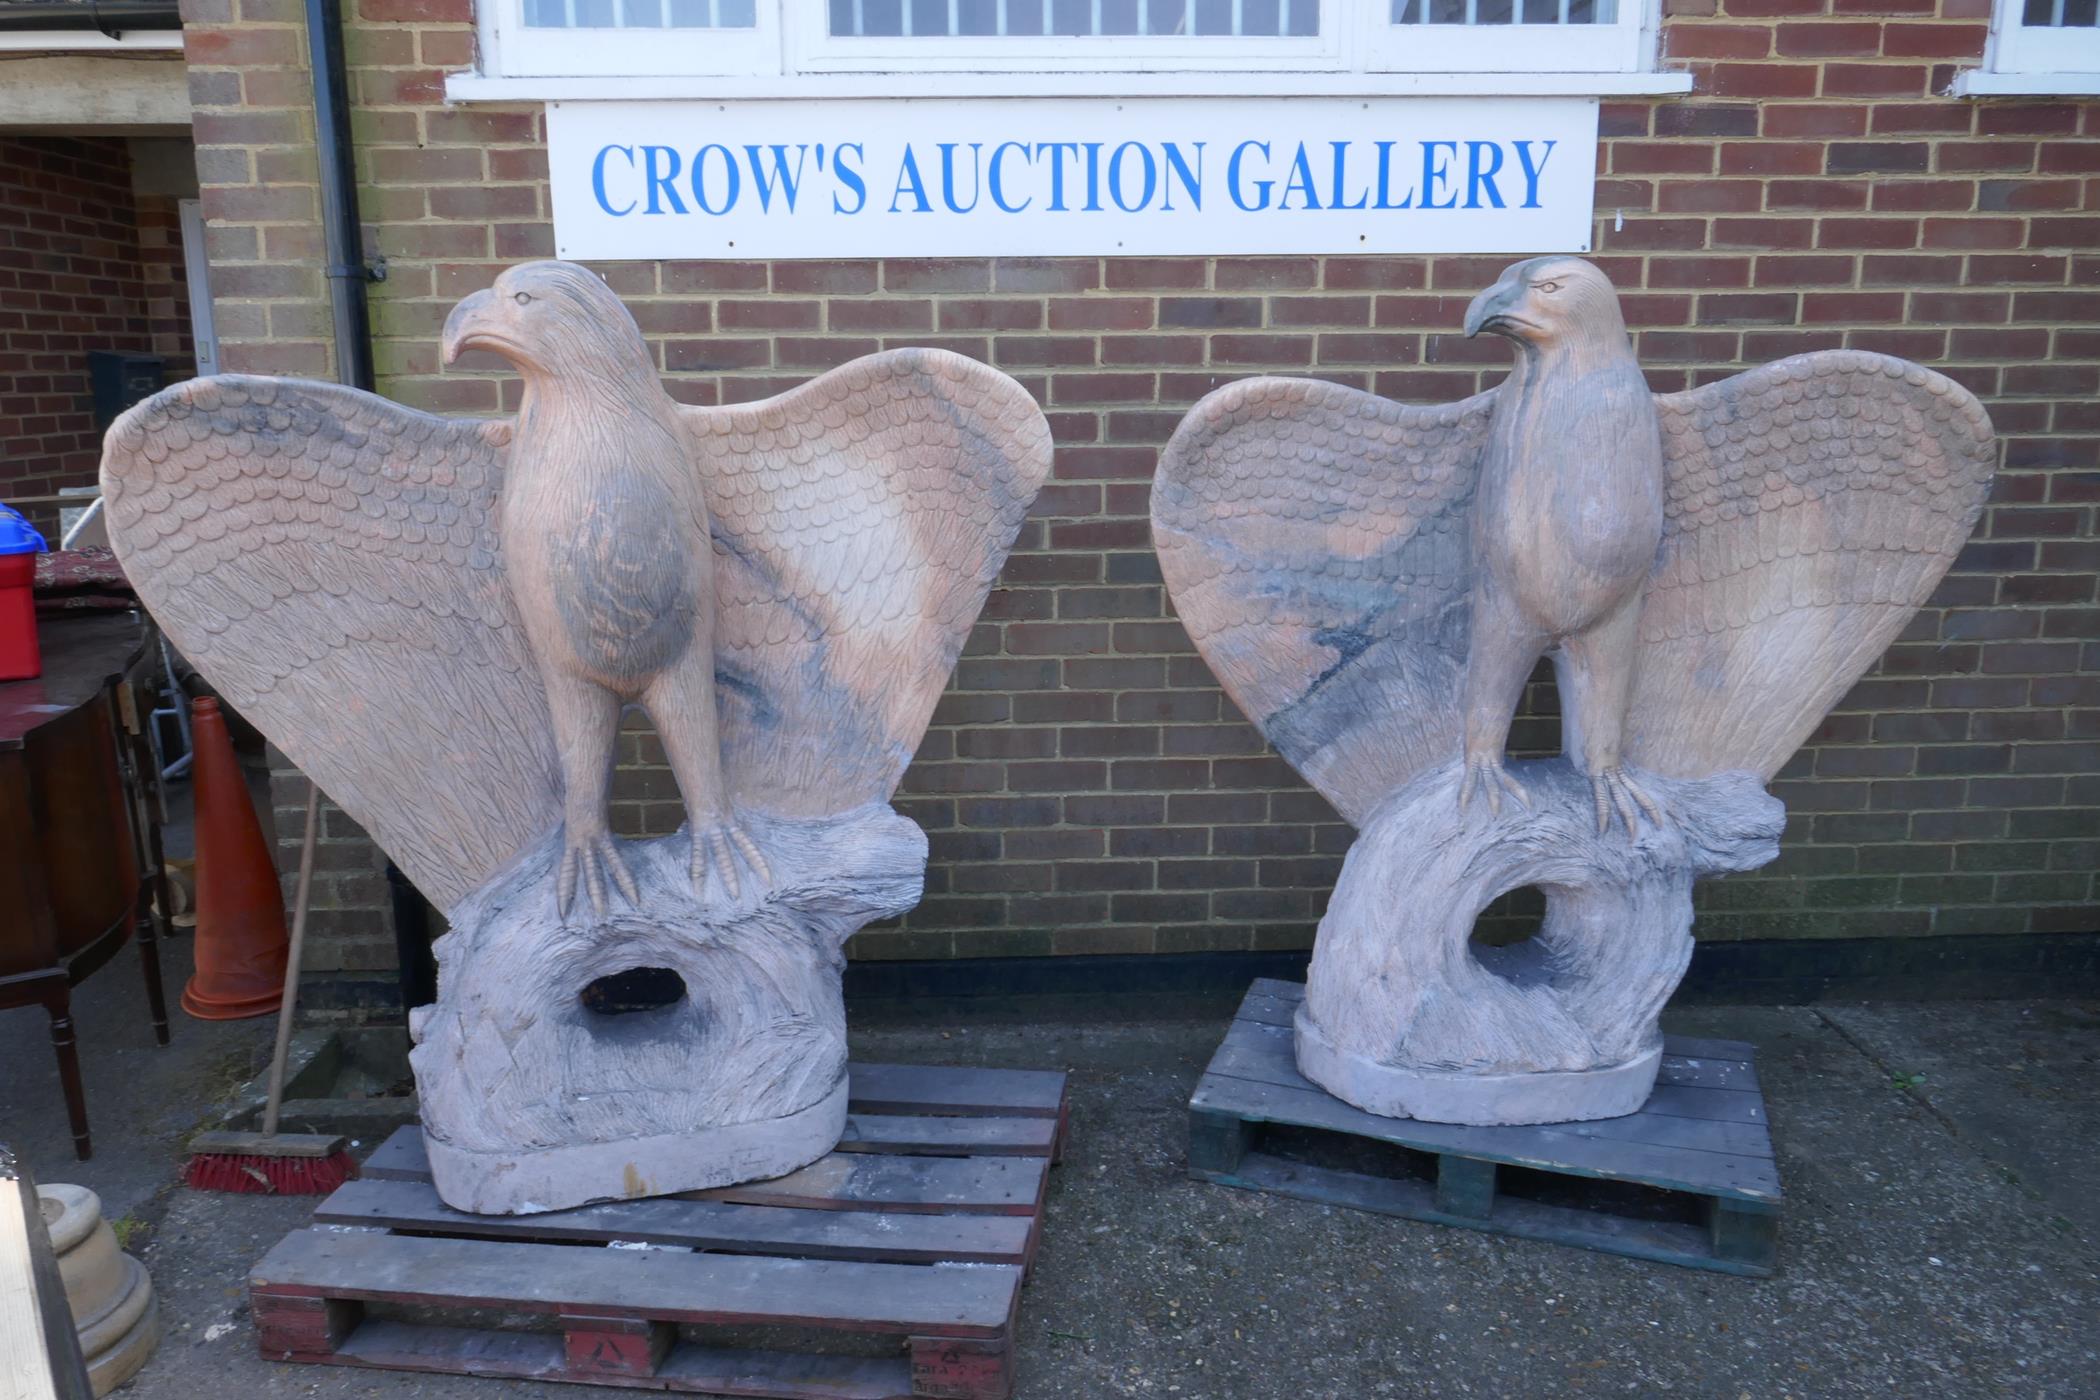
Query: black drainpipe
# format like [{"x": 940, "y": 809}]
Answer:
[
  {"x": 342, "y": 237},
  {"x": 111, "y": 17},
  {"x": 342, "y": 234}
]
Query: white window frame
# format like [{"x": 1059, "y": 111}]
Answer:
[
  {"x": 1626, "y": 45},
  {"x": 792, "y": 54},
  {"x": 2033, "y": 60}
]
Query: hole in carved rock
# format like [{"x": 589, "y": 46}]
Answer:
[
  {"x": 1505, "y": 936},
  {"x": 636, "y": 989}
]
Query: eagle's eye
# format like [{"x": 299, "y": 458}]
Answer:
[
  {"x": 1546, "y": 286},
  {"x": 522, "y": 298}
]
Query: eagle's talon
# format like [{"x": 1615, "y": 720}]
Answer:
[
  {"x": 587, "y": 858},
  {"x": 717, "y": 847},
  {"x": 1613, "y": 790},
  {"x": 1492, "y": 779}
]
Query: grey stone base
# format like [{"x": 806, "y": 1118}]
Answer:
[
  {"x": 1548, "y": 1096},
  {"x": 555, "y": 1178}
]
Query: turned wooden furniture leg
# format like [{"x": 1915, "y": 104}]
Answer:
[
  {"x": 149, "y": 961},
  {"x": 59, "y": 1003},
  {"x": 137, "y": 770}
]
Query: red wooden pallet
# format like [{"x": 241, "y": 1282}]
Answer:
[{"x": 920, "y": 1227}]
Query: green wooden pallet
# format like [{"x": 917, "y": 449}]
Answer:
[{"x": 1690, "y": 1179}]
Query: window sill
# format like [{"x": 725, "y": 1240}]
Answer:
[
  {"x": 473, "y": 87},
  {"x": 1977, "y": 82}
]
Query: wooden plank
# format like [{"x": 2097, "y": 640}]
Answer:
[
  {"x": 1575, "y": 1149},
  {"x": 949, "y": 1137},
  {"x": 843, "y": 1181},
  {"x": 1660, "y": 1241},
  {"x": 1698, "y": 1047},
  {"x": 1217, "y": 1141},
  {"x": 917, "y": 1185},
  {"x": 688, "y": 1369},
  {"x": 1267, "y": 1010},
  {"x": 954, "y": 1368},
  {"x": 712, "y": 1225},
  {"x": 1465, "y": 1187},
  {"x": 406, "y": 1346},
  {"x": 399, "y": 1158},
  {"x": 1694, "y": 1072},
  {"x": 956, "y": 1089},
  {"x": 614, "y": 1346},
  {"x": 965, "y": 1300},
  {"x": 1747, "y": 1235}
]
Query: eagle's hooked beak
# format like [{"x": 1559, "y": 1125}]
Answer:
[
  {"x": 469, "y": 322},
  {"x": 1491, "y": 305}
]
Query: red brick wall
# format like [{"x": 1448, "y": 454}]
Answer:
[
  {"x": 84, "y": 265},
  {"x": 1085, "y": 785}
]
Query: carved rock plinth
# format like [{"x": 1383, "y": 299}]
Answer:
[
  {"x": 1406, "y": 1015},
  {"x": 534, "y": 1101}
]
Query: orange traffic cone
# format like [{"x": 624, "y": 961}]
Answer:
[{"x": 241, "y": 943}]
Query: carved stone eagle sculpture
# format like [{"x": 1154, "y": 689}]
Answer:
[
  {"x": 440, "y": 619},
  {"x": 1374, "y": 583}
]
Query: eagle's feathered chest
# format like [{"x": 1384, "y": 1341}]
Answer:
[
  {"x": 1571, "y": 493},
  {"x": 604, "y": 521}
]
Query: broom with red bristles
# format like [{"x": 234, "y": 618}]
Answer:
[{"x": 285, "y": 1164}]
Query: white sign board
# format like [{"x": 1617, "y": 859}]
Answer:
[{"x": 976, "y": 177}]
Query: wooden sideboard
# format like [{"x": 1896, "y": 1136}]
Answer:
[{"x": 80, "y": 860}]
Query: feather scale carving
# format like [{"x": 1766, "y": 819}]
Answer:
[
  {"x": 859, "y": 522},
  {"x": 1812, "y": 505},
  {"x": 330, "y": 559},
  {"x": 1315, "y": 541}
]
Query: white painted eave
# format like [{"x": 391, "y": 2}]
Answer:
[
  {"x": 812, "y": 87},
  {"x": 87, "y": 40},
  {"x": 1976, "y": 82}
]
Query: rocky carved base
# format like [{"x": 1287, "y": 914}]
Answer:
[
  {"x": 1405, "y": 1016},
  {"x": 536, "y": 1097}
]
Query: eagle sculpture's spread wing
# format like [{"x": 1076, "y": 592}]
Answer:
[
  {"x": 1316, "y": 542},
  {"x": 859, "y": 521},
  {"x": 1811, "y": 507},
  {"x": 329, "y": 560}
]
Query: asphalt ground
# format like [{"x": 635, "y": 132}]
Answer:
[{"x": 1940, "y": 1236}]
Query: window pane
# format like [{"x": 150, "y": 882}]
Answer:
[
  {"x": 2059, "y": 14},
  {"x": 1071, "y": 18},
  {"x": 642, "y": 14},
  {"x": 1502, "y": 12}
]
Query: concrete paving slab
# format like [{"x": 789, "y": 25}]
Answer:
[{"x": 2014, "y": 1081}]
